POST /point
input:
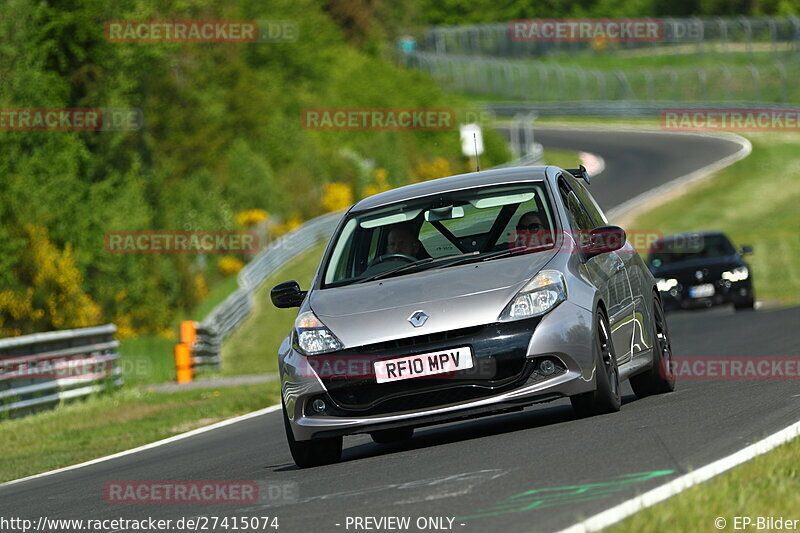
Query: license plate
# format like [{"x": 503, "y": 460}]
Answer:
[
  {"x": 425, "y": 364},
  {"x": 701, "y": 291}
]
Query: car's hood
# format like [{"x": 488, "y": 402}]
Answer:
[{"x": 453, "y": 297}]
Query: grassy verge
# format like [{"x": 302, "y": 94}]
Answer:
[
  {"x": 110, "y": 423},
  {"x": 253, "y": 347},
  {"x": 767, "y": 486},
  {"x": 561, "y": 158}
]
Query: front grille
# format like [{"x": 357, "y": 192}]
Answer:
[
  {"x": 499, "y": 352},
  {"x": 419, "y": 340}
]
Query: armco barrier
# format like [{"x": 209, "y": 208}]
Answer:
[
  {"x": 46, "y": 368},
  {"x": 228, "y": 315}
]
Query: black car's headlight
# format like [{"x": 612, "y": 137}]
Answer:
[
  {"x": 313, "y": 337},
  {"x": 737, "y": 274},
  {"x": 541, "y": 294},
  {"x": 665, "y": 285}
]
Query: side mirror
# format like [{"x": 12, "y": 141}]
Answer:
[
  {"x": 603, "y": 240},
  {"x": 746, "y": 250},
  {"x": 287, "y": 294}
]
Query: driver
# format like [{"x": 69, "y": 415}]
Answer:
[
  {"x": 402, "y": 241},
  {"x": 531, "y": 232}
]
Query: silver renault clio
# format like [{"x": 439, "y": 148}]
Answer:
[{"x": 462, "y": 297}]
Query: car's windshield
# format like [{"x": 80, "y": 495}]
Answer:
[
  {"x": 440, "y": 231},
  {"x": 689, "y": 247}
]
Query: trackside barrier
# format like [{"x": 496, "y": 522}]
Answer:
[
  {"x": 205, "y": 349},
  {"x": 46, "y": 368}
]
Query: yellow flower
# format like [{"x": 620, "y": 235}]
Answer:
[
  {"x": 251, "y": 217},
  {"x": 336, "y": 196},
  {"x": 229, "y": 265},
  {"x": 435, "y": 168}
]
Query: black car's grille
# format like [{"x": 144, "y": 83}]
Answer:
[{"x": 500, "y": 364}]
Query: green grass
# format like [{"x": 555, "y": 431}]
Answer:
[
  {"x": 216, "y": 295},
  {"x": 769, "y": 485},
  {"x": 149, "y": 358},
  {"x": 109, "y": 423},
  {"x": 661, "y": 58},
  {"x": 253, "y": 347},
  {"x": 561, "y": 158},
  {"x": 755, "y": 201}
]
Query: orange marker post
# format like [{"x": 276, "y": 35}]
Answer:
[
  {"x": 188, "y": 332},
  {"x": 183, "y": 363}
]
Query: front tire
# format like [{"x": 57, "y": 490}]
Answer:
[
  {"x": 314, "y": 452},
  {"x": 745, "y": 305},
  {"x": 658, "y": 379},
  {"x": 606, "y": 396}
]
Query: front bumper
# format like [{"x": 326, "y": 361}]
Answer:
[
  {"x": 505, "y": 376},
  {"x": 725, "y": 292}
]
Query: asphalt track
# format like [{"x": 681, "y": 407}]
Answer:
[{"x": 537, "y": 470}]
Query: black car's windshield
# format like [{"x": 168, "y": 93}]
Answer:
[
  {"x": 440, "y": 231},
  {"x": 688, "y": 248}
]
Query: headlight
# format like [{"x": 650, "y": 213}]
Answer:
[
  {"x": 313, "y": 337},
  {"x": 539, "y": 296},
  {"x": 664, "y": 285},
  {"x": 737, "y": 274}
]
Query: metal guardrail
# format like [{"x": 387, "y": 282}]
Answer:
[
  {"x": 612, "y": 109},
  {"x": 730, "y": 34},
  {"x": 227, "y": 316},
  {"x": 46, "y": 368},
  {"x": 549, "y": 81}
]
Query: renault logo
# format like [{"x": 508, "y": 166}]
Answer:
[{"x": 418, "y": 318}]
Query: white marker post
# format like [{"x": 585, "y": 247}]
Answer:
[{"x": 472, "y": 142}]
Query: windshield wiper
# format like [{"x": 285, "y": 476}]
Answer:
[
  {"x": 420, "y": 262},
  {"x": 500, "y": 253}
]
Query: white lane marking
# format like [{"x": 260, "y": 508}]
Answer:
[
  {"x": 594, "y": 163},
  {"x": 152, "y": 445},
  {"x": 678, "y": 485}
]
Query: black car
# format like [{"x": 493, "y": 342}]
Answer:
[{"x": 701, "y": 270}]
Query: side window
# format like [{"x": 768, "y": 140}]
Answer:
[
  {"x": 591, "y": 207},
  {"x": 578, "y": 211},
  {"x": 579, "y": 218}
]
